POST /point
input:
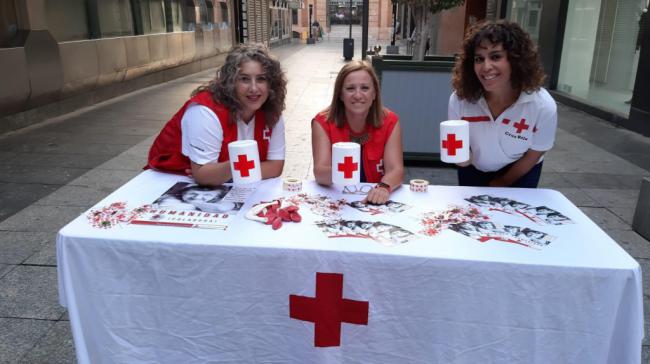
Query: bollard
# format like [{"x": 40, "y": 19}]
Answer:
[{"x": 641, "y": 221}]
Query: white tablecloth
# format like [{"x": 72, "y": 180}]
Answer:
[{"x": 162, "y": 294}]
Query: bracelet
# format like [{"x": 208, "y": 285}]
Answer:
[{"x": 385, "y": 186}]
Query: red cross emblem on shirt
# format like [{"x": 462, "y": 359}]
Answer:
[
  {"x": 451, "y": 144},
  {"x": 348, "y": 167},
  {"x": 328, "y": 310},
  {"x": 521, "y": 125},
  {"x": 266, "y": 134},
  {"x": 380, "y": 166},
  {"x": 243, "y": 165}
]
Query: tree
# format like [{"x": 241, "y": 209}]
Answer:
[{"x": 422, "y": 11}]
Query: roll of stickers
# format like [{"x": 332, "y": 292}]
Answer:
[
  {"x": 454, "y": 141},
  {"x": 419, "y": 185},
  {"x": 346, "y": 163},
  {"x": 292, "y": 185},
  {"x": 244, "y": 162}
]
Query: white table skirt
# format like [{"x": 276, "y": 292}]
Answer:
[{"x": 178, "y": 295}]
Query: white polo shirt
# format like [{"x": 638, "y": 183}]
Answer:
[
  {"x": 202, "y": 135},
  {"x": 530, "y": 123}
]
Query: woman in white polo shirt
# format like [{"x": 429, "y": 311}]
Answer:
[{"x": 497, "y": 83}]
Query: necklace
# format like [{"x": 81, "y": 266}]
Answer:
[{"x": 361, "y": 138}]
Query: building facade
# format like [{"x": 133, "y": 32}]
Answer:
[
  {"x": 330, "y": 13},
  {"x": 595, "y": 52},
  {"x": 60, "y": 55}
]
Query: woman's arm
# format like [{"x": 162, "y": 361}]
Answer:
[
  {"x": 272, "y": 168},
  {"x": 518, "y": 169},
  {"x": 542, "y": 141},
  {"x": 322, "y": 154},
  {"x": 211, "y": 174},
  {"x": 393, "y": 167},
  {"x": 214, "y": 174},
  {"x": 274, "y": 163}
]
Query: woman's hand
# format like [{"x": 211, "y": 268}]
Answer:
[{"x": 378, "y": 196}]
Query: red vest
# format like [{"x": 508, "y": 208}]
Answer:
[
  {"x": 372, "y": 155},
  {"x": 165, "y": 153}
]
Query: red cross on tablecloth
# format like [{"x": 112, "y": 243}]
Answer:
[
  {"x": 521, "y": 125},
  {"x": 243, "y": 165},
  {"x": 328, "y": 310},
  {"x": 348, "y": 167},
  {"x": 451, "y": 144}
]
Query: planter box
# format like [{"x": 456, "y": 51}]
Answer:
[{"x": 419, "y": 93}]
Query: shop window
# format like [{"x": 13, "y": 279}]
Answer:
[
  {"x": 599, "y": 52},
  {"x": 209, "y": 4},
  {"x": 189, "y": 15},
  {"x": 527, "y": 14},
  {"x": 174, "y": 15},
  {"x": 223, "y": 8},
  {"x": 66, "y": 19},
  {"x": 205, "y": 14},
  {"x": 115, "y": 18},
  {"x": 275, "y": 22},
  {"x": 8, "y": 23},
  {"x": 153, "y": 16}
]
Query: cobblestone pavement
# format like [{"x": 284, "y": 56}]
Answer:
[{"x": 52, "y": 172}]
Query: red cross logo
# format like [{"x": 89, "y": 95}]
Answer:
[
  {"x": 243, "y": 165},
  {"x": 451, "y": 144},
  {"x": 521, "y": 125},
  {"x": 380, "y": 166},
  {"x": 348, "y": 167},
  {"x": 266, "y": 134},
  {"x": 328, "y": 310}
]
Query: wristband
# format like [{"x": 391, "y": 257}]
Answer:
[{"x": 383, "y": 185}]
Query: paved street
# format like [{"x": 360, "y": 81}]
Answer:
[{"x": 52, "y": 172}]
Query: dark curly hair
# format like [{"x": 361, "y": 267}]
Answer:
[
  {"x": 222, "y": 86},
  {"x": 526, "y": 75}
]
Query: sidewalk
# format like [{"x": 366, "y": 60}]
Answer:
[{"x": 52, "y": 172}]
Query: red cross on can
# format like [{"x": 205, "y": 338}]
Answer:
[
  {"x": 454, "y": 141},
  {"x": 244, "y": 162},
  {"x": 346, "y": 164}
]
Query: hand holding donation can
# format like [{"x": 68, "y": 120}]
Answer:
[
  {"x": 454, "y": 141},
  {"x": 346, "y": 163},
  {"x": 244, "y": 162}
]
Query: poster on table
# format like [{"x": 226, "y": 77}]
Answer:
[{"x": 187, "y": 204}]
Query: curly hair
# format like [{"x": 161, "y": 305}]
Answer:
[
  {"x": 336, "y": 110},
  {"x": 526, "y": 70},
  {"x": 222, "y": 86}
]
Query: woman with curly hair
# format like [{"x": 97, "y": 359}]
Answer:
[
  {"x": 244, "y": 102},
  {"x": 356, "y": 115},
  {"x": 497, "y": 82}
]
